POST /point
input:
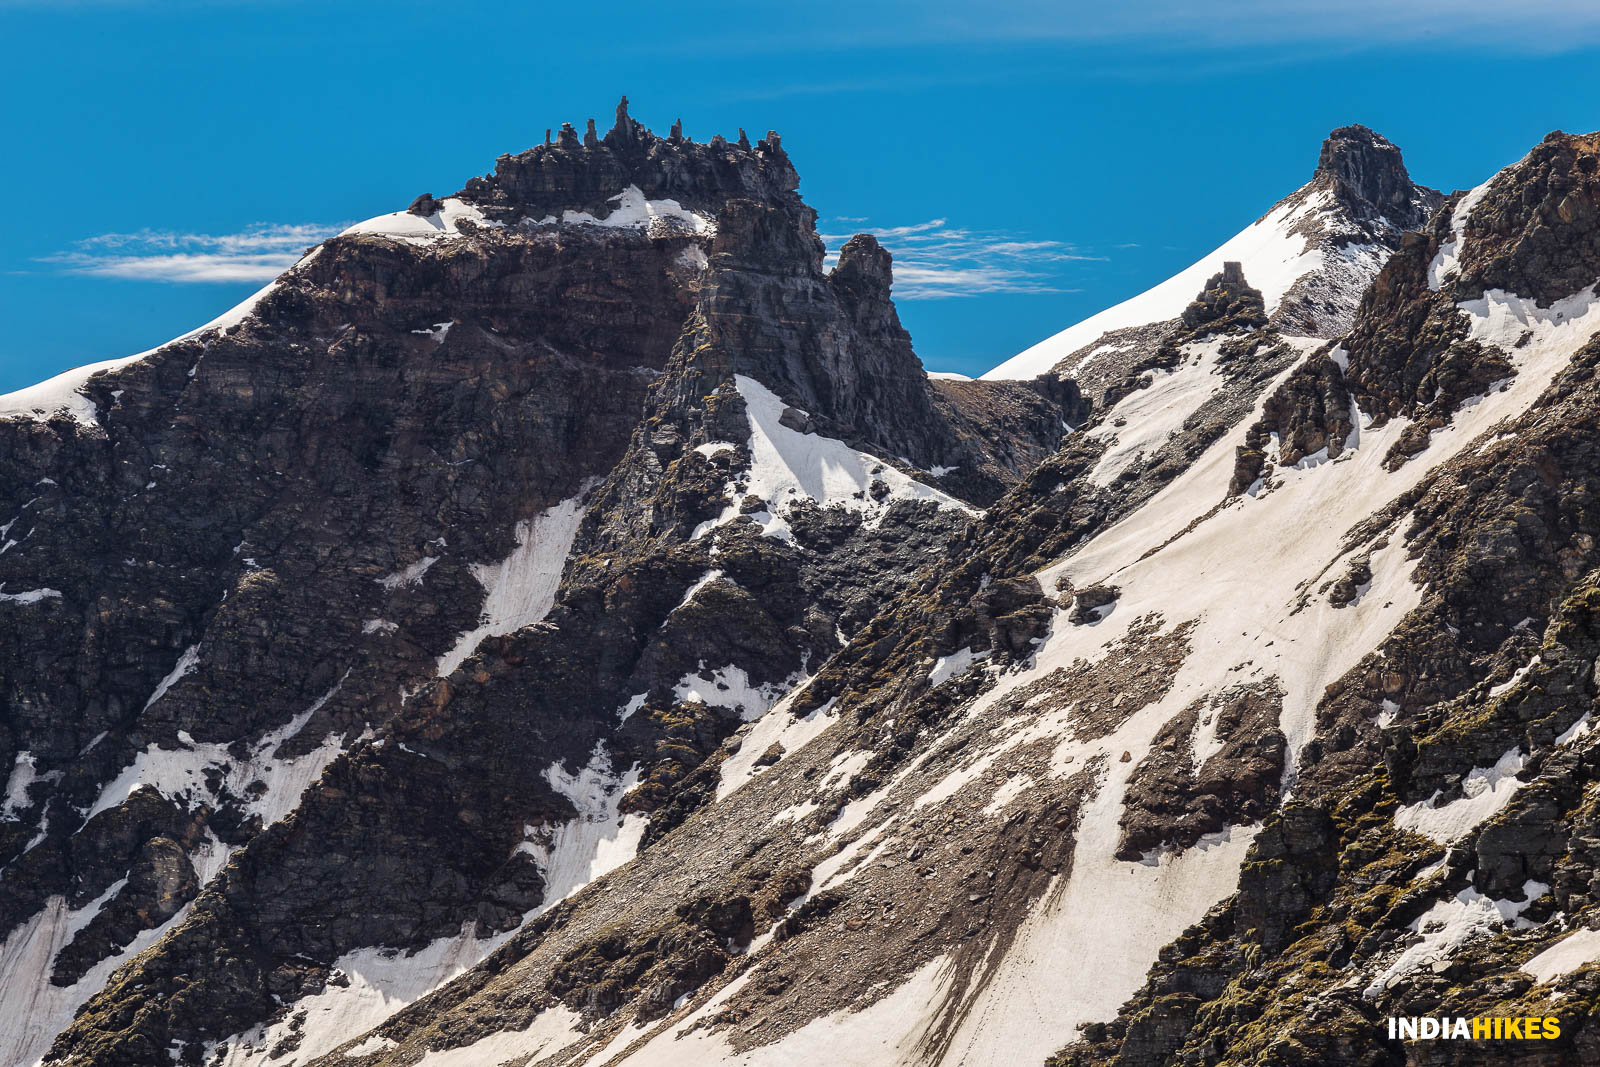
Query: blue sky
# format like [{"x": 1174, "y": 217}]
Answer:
[{"x": 1031, "y": 163}]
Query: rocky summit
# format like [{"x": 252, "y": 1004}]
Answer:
[{"x": 562, "y": 623}]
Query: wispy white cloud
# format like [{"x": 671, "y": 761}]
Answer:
[
  {"x": 1485, "y": 23},
  {"x": 935, "y": 261},
  {"x": 258, "y": 253},
  {"x": 1538, "y": 26}
]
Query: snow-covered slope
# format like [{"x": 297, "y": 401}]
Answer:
[
  {"x": 1276, "y": 251},
  {"x": 1311, "y": 256}
]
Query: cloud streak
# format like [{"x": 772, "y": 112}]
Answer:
[
  {"x": 936, "y": 261},
  {"x": 1529, "y": 26},
  {"x": 256, "y": 254}
]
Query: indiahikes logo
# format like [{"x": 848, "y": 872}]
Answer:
[{"x": 1479, "y": 1028}]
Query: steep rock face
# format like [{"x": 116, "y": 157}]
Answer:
[
  {"x": 259, "y": 547},
  {"x": 1365, "y": 173},
  {"x": 1311, "y": 257},
  {"x": 279, "y": 584},
  {"x": 292, "y": 526}
]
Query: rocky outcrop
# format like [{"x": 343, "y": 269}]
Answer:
[
  {"x": 1171, "y": 804},
  {"x": 1227, "y": 300}
]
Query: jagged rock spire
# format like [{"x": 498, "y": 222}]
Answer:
[
  {"x": 864, "y": 263},
  {"x": 591, "y": 139},
  {"x": 628, "y": 129}
]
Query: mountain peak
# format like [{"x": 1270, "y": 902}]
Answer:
[
  {"x": 1365, "y": 171},
  {"x": 585, "y": 171}
]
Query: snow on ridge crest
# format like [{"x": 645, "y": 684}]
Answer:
[
  {"x": 1275, "y": 250},
  {"x": 63, "y": 394},
  {"x": 412, "y": 229}
]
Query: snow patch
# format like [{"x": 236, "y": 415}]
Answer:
[
  {"x": 32, "y": 1010},
  {"x": 410, "y": 577},
  {"x": 1154, "y": 414},
  {"x": 1565, "y": 956},
  {"x": 634, "y": 211},
  {"x": 32, "y": 596},
  {"x": 598, "y": 839},
  {"x": 439, "y": 332},
  {"x": 23, "y": 774},
  {"x": 406, "y": 228},
  {"x": 381, "y": 981},
  {"x": 1447, "y": 261},
  {"x": 552, "y": 1030},
  {"x": 520, "y": 589},
  {"x": 1487, "y": 789},
  {"x": 947, "y": 667},
  {"x": 884, "y": 1033},
  {"x": 1450, "y": 924},
  {"x": 186, "y": 663},
  {"x": 777, "y": 726},
  {"x": 1576, "y": 731},
  {"x": 729, "y": 687},
  {"x": 371, "y": 1045},
  {"x": 1009, "y": 790},
  {"x": 181, "y": 773}
]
